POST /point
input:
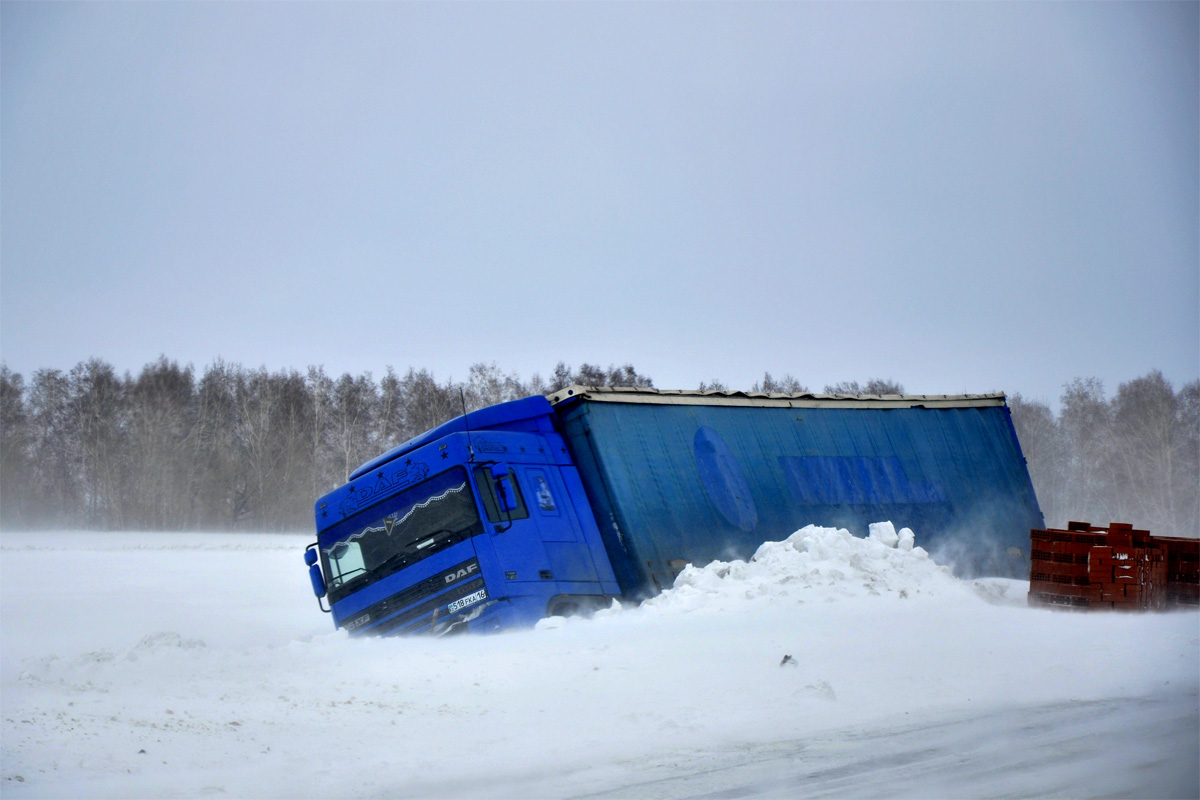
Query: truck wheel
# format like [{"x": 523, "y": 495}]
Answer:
[{"x": 565, "y": 610}]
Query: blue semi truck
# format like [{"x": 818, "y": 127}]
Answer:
[{"x": 556, "y": 505}]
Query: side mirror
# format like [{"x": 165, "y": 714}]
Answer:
[
  {"x": 504, "y": 493},
  {"x": 314, "y": 575},
  {"x": 318, "y": 581}
]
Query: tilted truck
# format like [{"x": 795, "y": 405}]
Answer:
[{"x": 556, "y": 505}]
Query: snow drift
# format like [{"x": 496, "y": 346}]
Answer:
[{"x": 815, "y": 563}]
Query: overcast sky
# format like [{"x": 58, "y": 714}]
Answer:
[{"x": 961, "y": 196}]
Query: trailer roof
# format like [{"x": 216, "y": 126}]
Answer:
[{"x": 626, "y": 394}]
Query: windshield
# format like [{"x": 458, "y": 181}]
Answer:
[{"x": 402, "y": 530}]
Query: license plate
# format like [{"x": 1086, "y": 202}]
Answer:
[{"x": 470, "y": 599}]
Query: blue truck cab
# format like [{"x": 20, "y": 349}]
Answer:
[
  {"x": 474, "y": 523},
  {"x": 556, "y": 505}
]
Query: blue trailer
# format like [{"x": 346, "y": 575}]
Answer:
[{"x": 555, "y": 505}]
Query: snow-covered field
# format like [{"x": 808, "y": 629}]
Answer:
[{"x": 184, "y": 665}]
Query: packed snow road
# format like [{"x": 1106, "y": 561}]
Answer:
[
  {"x": 1051, "y": 750},
  {"x": 178, "y": 665}
]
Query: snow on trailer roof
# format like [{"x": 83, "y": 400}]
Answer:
[{"x": 628, "y": 394}]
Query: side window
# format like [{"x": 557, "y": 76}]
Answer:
[
  {"x": 487, "y": 493},
  {"x": 540, "y": 486}
]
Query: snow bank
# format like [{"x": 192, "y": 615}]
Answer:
[{"x": 814, "y": 564}]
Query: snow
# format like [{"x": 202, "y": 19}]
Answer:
[
  {"x": 184, "y": 665},
  {"x": 813, "y": 564}
]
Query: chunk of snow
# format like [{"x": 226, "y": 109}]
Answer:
[{"x": 884, "y": 532}]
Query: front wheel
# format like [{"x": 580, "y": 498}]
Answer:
[{"x": 576, "y": 605}]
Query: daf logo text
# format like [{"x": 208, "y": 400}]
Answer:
[{"x": 458, "y": 575}]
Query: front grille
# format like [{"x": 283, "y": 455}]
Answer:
[
  {"x": 414, "y": 593},
  {"x": 427, "y": 607}
]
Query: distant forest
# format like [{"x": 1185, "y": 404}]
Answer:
[{"x": 233, "y": 448}]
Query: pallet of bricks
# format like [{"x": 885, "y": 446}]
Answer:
[
  {"x": 1088, "y": 567},
  {"x": 1183, "y": 570}
]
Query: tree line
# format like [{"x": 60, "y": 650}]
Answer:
[
  {"x": 236, "y": 448},
  {"x": 228, "y": 448},
  {"x": 1134, "y": 457}
]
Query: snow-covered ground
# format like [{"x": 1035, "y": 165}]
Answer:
[{"x": 184, "y": 665}]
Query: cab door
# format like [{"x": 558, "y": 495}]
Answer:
[
  {"x": 540, "y": 540},
  {"x": 558, "y": 525}
]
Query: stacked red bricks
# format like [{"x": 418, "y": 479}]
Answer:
[
  {"x": 1089, "y": 567},
  {"x": 1183, "y": 570}
]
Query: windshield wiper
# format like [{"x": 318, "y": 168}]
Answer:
[
  {"x": 350, "y": 576},
  {"x": 343, "y": 587},
  {"x": 397, "y": 560}
]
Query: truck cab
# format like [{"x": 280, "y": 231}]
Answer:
[{"x": 479, "y": 524}]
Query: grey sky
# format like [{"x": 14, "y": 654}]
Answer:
[{"x": 964, "y": 197}]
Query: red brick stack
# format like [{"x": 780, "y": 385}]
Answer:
[
  {"x": 1089, "y": 567},
  {"x": 1183, "y": 570}
]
